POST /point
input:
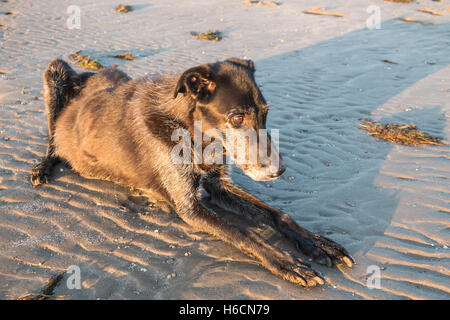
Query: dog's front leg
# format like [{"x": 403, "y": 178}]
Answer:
[
  {"x": 278, "y": 262},
  {"x": 321, "y": 249}
]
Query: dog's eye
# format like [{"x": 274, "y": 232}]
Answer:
[{"x": 237, "y": 120}]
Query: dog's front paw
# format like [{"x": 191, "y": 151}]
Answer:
[
  {"x": 294, "y": 271},
  {"x": 39, "y": 174},
  {"x": 324, "y": 251}
]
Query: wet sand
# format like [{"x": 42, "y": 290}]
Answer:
[{"x": 387, "y": 204}]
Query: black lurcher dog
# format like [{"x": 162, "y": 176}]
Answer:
[{"x": 107, "y": 126}]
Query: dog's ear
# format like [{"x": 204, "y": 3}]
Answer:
[
  {"x": 249, "y": 64},
  {"x": 197, "y": 82}
]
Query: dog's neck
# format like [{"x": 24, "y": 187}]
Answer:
[{"x": 158, "y": 103}]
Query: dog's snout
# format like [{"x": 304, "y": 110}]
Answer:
[
  {"x": 278, "y": 168},
  {"x": 280, "y": 171}
]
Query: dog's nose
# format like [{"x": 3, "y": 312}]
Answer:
[{"x": 279, "y": 172}]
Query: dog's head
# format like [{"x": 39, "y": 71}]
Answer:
[{"x": 232, "y": 109}]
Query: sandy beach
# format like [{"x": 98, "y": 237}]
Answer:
[{"x": 387, "y": 204}]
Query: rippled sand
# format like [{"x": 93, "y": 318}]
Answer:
[{"x": 389, "y": 205}]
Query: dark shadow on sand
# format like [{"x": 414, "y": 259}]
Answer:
[{"x": 302, "y": 87}]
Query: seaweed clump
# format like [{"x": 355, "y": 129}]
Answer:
[
  {"x": 415, "y": 20},
  {"x": 86, "y": 61},
  {"x": 407, "y": 134},
  {"x": 321, "y": 11},
  {"x": 431, "y": 11},
  {"x": 47, "y": 292},
  {"x": 123, "y": 8},
  {"x": 210, "y": 35},
  {"x": 125, "y": 56}
]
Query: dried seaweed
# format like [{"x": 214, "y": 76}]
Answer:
[
  {"x": 321, "y": 11},
  {"x": 126, "y": 56},
  {"x": 400, "y": 1},
  {"x": 47, "y": 292},
  {"x": 261, "y": 3},
  {"x": 415, "y": 20},
  {"x": 431, "y": 11},
  {"x": 86, "y": 61},
  {"x": 210, "y": 35},
  {"x": 123, "y": 8},
  {"x": 388, "y": 61},
  {"x": 407, "y": 134}
]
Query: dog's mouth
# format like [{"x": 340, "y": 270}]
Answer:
[{"x": 263, "y": 168}]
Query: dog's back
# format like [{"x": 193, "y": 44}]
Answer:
[
  {"x": 115, "y": 128},
  {"x": 88, "y": 125}
]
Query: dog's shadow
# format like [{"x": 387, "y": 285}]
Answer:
[{"x": 317, "y": 100}]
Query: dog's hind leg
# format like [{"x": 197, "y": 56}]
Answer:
[{"x": 60, "y": 84}]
